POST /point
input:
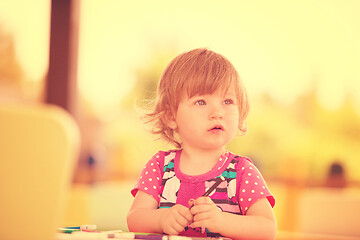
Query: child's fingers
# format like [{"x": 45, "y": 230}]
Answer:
[
  {"x": 196, "y": 224},
  {"x": 174, "y": 229},
  {"x": 176, "y": 219},
  {"x": 202, "y": 216},
  {"x": 184, "y": 219},
  {"x": 184, "y": 213},
  {"x": 175, "y": 225},
  {"x": 202, "y": 204},
  {"x": 206, "y": 220},
  {"x": 169, "y": 226},
  {"x": 197, "y": 209},
  {"x": 203, "y": 200},
  {"x": 179, "y": 227},
  {"x": 191, "y": 202},
  {"x": 187, "y": 215}
]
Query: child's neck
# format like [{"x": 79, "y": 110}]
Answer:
[{"x": 199, "y": 161}]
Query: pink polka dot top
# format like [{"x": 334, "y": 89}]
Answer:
[{"x": 242, "y": 186}]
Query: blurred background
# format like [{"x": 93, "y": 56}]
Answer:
[{"x": 299, "y": 61}]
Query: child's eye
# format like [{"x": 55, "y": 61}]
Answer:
[
  {"x": 200, "y": 102},
  {"x": 228, "y": 101}
]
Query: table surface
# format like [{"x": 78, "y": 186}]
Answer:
[{"x": 282, "y": 235}]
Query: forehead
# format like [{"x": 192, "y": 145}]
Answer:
[{"x": 222, "y": 89}]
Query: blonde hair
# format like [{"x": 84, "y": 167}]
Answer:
[{"x": 196, "y": 72}]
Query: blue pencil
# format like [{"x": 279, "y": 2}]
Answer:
[{"x": 83, "y": 227}]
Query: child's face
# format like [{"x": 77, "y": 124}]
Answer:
[{"x": 208, "y": 121}]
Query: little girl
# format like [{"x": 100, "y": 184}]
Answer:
[{"x": 200, "y": 108}]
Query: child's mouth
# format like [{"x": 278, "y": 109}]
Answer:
[{"x": 216, "y": 129}]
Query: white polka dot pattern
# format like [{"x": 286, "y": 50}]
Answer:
[
  {"x": 250, "y": 184},
  {"x": 252, "y": 187},
  {"x": 150, "y": 178}
]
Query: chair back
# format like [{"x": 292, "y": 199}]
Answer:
[{"x": 39, "y": 146}]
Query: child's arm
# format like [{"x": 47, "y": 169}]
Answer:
[
  {"x": 258, "y": 223},
  {"x": 144, "y": 216}
]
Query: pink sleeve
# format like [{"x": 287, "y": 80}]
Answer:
[
  {"x": 150, "y": 177},
  {"x": 252, "y": 186}
]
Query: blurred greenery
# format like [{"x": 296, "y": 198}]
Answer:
[
  {"x": 292, "y": 141},
  {"x": 11, "y": 73},
  {"x": 14, "y": 83},
  {"x": 296, "y": 141}
]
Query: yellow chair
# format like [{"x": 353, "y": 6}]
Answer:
[{"x": 39, "y": 145}]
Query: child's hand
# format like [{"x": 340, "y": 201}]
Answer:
[
  {"x": 175, "y": 219},
  {"x": 206, "y": 214}
]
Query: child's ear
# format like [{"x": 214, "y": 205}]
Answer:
[
  {"x": 169, "y": 118},
  {"x": 242, "y": 128},
  {"x": 172, "y": 124},
  {"x": 170, "y": 121}
]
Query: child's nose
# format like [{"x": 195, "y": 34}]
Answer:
[{"x": 216, "y": 113}]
